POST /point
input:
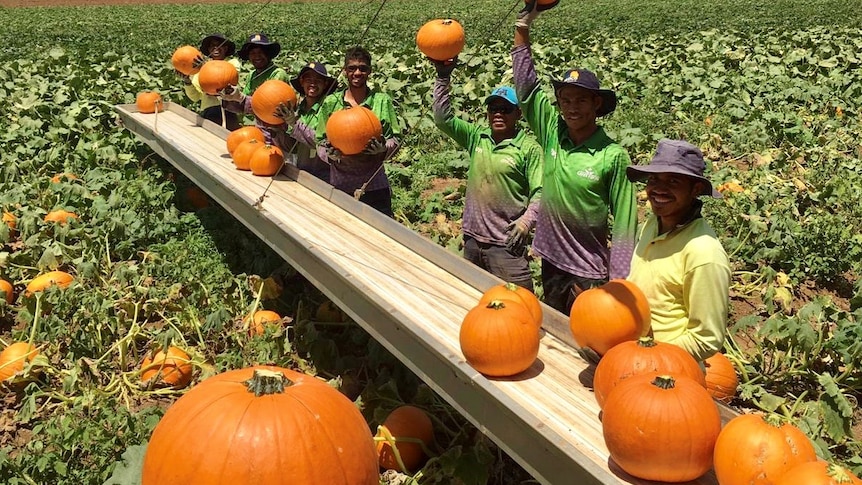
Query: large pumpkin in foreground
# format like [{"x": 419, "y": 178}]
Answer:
[
  {"x": 641, "y": 357},
  {"x": 661, "y": 428},
  {"x": 263, "y": 426},
  {"x": 608, "y": 315},
  {"x": 216, "y": 75},
  {"x": 351, "y": 129},
  {"x": 243, "y": 134},
  {"x": 268, "y": 96},
  {"x": 753, "y": 449},
  {"x": 184, "y": 59},
  {"x": 517, "y": 294}
]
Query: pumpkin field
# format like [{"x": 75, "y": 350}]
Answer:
[{"x": 128, "y": 287}]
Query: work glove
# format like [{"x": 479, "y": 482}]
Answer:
[
  {"x": 232, "y": 93},
  {"x": 375, "y": 146},
  {"x": 198, "y": 62},
  {"x": 286, "y": 113},
  {"x": 183, "y": 77},
  {"x": 333, "y": 154},
  {"x": 528, "y": 14},
  {"x": 444, "y": 68},
  {"x": 519, "y": 232}
]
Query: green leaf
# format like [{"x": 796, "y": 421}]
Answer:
[{"x": 128, "y": 470}]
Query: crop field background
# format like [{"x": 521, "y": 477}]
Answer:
[{"x": 770, "y": 90}]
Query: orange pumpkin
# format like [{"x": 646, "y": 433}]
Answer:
[
  {"x": 10, "y": 220},
  {"x": 266, "y": 161},
  {"x": 196, "y": 197},
  {"x": 261, "y": 319},
  {"x": 149, "y": 102},
  {"x": 440, "y": 39},
  {"x": 662, "y": 428},
  {"x": 6, "y": 287},
  {"x": 215, "y": 75},
  {"x": 404, "y": 422},
  {"x": 721, "y": 378},
  {"x": 818, "y": 473},
  {"x": 329, "y": 312},
  {"x": 13, "y": 358},
  {"x": 262, "y": 425},
  {"x": 172, "y": 368},
  {"x": 641, "y": 357},
  {"x": 351, "y": 129},
  {"x": 518, "y": 294},
  {"x": 543, "y": 2},
  {"x": 51, "y": 278},
  {"x": 244, "y": 151},
  {"x": 56, "y": 179},
  {"x": 608, "y": 315},
  {"x": 268, "y": 96},
  {"x": 60, "y": 216},
  {"x": 243, "y": 134},
  {"x": 499, "y": 338},
  {"x": 756, "y": 449},
  {"x": 183, "y": 59}
]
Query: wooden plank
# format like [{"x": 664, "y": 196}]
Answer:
[{"x": 410, "y": 295}]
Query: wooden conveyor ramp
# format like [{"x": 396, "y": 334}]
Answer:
[{"x": 409, "y": 294}]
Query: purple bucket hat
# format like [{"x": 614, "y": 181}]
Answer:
[
  {"x": 259, "y": 40},
  {"x": 675, "y": 156},
  {"x": 318, "y": 68}
]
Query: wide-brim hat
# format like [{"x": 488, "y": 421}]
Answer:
[
  {"x": 584, "y": 78},
  {"x": 316, "y": 67},
  {"x": 675, "y": 156},
  {"x": 220, "y": 39},
  {"x": 505, "y": 93},
  {"x": 259, "y": 40}
]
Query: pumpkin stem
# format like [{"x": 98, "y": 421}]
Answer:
[
  {"x": 511, "y": 286},
  {"x": 838, "y": 474},
  {"x": 664, "y": 382},
  {"x": 646, "y": 342},
  {"x": 773, "y": 419},
  {"x": 265, "y": 382},
  {"x": 496, "y": 304}
]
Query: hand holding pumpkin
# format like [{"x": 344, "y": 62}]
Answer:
[
  {"x": 444, "y": 68},
  {"x": 198, "y": 61},
  {"x": 527, "y": 15},
  {"x": 232, "y": 93},
  {"x": 332, "y": 154},
  {"x": 286, "y": 113},
  {"x": 375, "y": 146}
]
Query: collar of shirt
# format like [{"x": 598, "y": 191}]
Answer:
[
  {"x": 516, "y": 141},
  {"x": 597, "y": 141},
  {"x": 693, "y": 216},
  {"x": 366, "y": 102}
]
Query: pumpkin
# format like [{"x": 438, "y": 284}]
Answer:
[
  {"x": 51, "y": 278},
  {"x": 60, "y": 216},
  {"x": 172, "y": 368},
  {"x": 608, "y": 315},
  {"x": 440, "y": 39},
  {"x": 196, "y": 197},
  {"x": 662, "y": 428},
  {"x": 183, "y": 59},
  {"x": 215, "y": 75},
  {"x": 13, "y": 358},
  {"x": 351, "y": 129},
  {"x": 266, "y": 161},
  {"x": 499, "y": 338},
  {"x": 10, "y": 220},
  {"x": 404, "y": 422},
  {"x": 721, "y": 378},
  {"x": 818, "y": 473},
  {"x": 261, "y": 318},
  {"x": 753, "y": 449},
  {"x": 56, "y": 179},
  {"x": 242, "y": 154},
  {"x": 149, "y": 102},
  {"x": 264, "y": 426},
  {"x": 543, "y": 3},
  {"x": 329, "y": 312},
  {"x": 6, "y": 287},
  {"x": 517, "y": 294},
  {"x": 268, "y": 96},
  {"x": 243, "y": 134},
  {"x": 641, "y": 357}
]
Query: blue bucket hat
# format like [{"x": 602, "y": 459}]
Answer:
[
  {"x": 505, "y": 93},
  {"x": 259, "y": 40},
  {"x": 584, "y": 78},
  {"x": 675, "y": 156},
  {"x": 319, "y": 69}
]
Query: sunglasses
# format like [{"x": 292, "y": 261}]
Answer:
[
  {"x": 506, "y": 109},
  {"x": 360, "y": 68}
]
